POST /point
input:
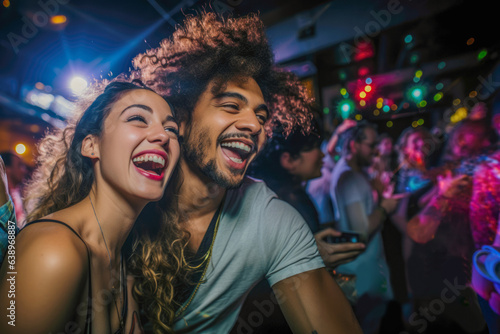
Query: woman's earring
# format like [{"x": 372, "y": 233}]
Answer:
[{"x": 92, "y": 153}]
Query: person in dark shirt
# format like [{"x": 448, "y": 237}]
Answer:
[{"x": 286, "y": 164}]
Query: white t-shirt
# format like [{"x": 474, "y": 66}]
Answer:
[
  {"x": 370, "y": 267},
  {"x": 259, "y": 236}
]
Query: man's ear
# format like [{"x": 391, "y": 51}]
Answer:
[
  {"x": 353, "y": 146},
  {"x": 90, "y": 147},
  {"x": 287, "y": 161},
  {"x": 182, "y": 128}
]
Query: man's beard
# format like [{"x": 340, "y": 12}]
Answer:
[
  {"x": 364, "y": 161},
  {"x": 194, "y": 151}
]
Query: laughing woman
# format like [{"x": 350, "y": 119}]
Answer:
[{"x": 93, "y": 180}]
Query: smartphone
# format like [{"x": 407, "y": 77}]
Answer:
[{"x": 344, "y": 237}]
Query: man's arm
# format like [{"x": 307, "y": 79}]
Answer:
[
  {"x": 350, "y": 195},
  {"x": 362, "y": 223},
  {"x": 303, "y": 287},
  {"x": 365, "y": 224},
  {"x": 313, "y": 303}
]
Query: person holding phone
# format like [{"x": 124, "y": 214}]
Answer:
[
  {"x": 286, "y": 164},
  {"x": 357, "y": 211}
]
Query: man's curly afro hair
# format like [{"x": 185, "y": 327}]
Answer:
[{"x": 209, "y": 48}]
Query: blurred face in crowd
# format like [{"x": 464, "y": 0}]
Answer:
[
  {"x": 385, "y": 146},
  {"x": 468, "y": 143},
  {"x": 365, "y": 150},
  {"x": 307, "y": 165},
  {"x": 16, "y": 171},
  {"x": 496, "y": 123},
  {"x": 414, "y": 149}
]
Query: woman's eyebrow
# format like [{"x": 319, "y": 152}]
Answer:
[
  {"x": 141, "y": 106},
  {"x": 170, "y": 118}
]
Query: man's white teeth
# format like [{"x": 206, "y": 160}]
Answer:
[
  {"x": 151, "y": 157},
  {"x": 238, "y": 145},
  {"x": 239, "y": 161}
]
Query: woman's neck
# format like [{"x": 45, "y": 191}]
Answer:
[{"x": 113, "y": 218}]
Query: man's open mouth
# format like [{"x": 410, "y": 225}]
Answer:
[
  {"x": 150, "y": 163},
  {"x": 236, "y": 151}
]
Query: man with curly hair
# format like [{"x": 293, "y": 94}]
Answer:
[{"x": 228, "y": 94}]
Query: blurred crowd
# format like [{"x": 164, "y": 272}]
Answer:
[{"x": 422, "y": 204}]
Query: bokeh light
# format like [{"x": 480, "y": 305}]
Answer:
[
  {"x": 20, "y": 148},
  {"x": 58, "y": 19},
  {"x": 78, "y": 85}
]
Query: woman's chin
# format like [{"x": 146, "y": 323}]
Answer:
[{"x": 149, "y": 196}]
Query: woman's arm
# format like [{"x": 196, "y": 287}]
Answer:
[
  {"x": 484, "y": 205},
  {"x": 41, "y": 291},
  {"x": 345, "y": 125},
  {"x": 423, "y": 226}
]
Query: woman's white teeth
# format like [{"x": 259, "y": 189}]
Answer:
[
  {"x": 239, "y": 145},
  {"x": 149, "y": 157},
  {"x": 239, "y": 161}
]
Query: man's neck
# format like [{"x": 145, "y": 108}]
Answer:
[
  {"x": 199, "y": 199},
  {"x": 198, "y": 196},
  {"x": 353, "y": 163}
]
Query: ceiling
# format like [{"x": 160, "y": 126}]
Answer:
[{"x": 100, "y": 37}]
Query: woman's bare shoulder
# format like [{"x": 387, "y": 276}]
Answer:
[
  {"x": 52, "y": 244},
  {"x": 52, "y": 273}
]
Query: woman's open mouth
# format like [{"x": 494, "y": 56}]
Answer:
[{"x": 151, "y": 164}]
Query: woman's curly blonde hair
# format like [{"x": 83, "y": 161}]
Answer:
[
  {"x": 157, "y": 259},
  {"x": 64, "y": 177}
]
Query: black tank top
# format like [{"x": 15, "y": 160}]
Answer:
[{"x": 88, "y": 320}]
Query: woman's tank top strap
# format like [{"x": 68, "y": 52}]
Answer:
[{"x": 88, "y": 320}]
